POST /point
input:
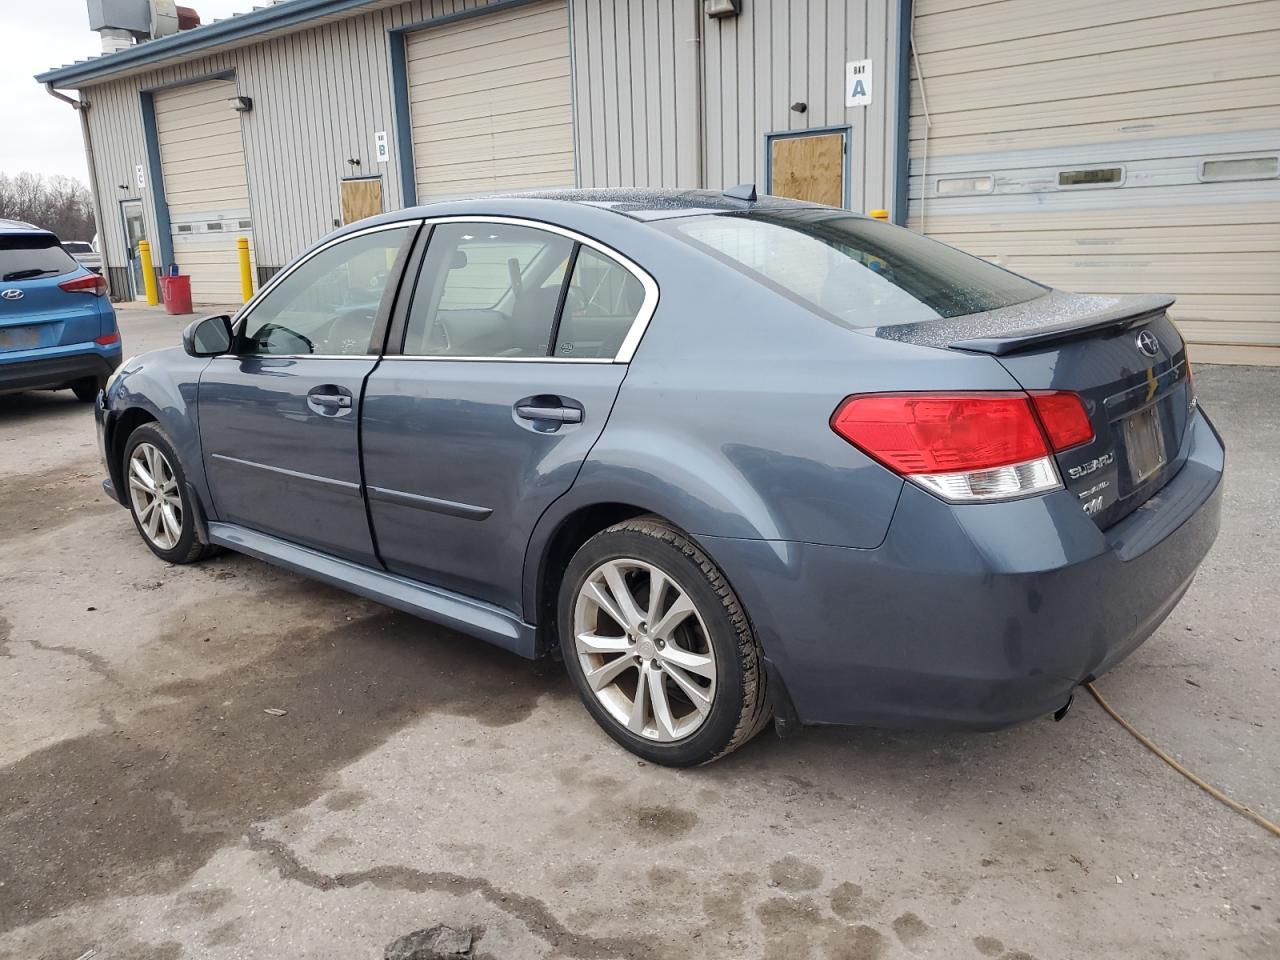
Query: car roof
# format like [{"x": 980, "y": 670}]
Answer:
[
  {"x": 641, "y": 203},
  {"x": 17, "y": 226}
]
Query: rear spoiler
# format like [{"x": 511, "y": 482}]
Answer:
[
  {"x": 1123, "y": 316},
  {"x": 1053, "y": 316}
]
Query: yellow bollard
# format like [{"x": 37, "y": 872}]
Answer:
[
  {"x": 246, "y": 272},
  {"x": 148, "y": 273},
  {"x": 879, "y": 214}
]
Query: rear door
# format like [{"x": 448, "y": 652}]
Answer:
[
  {"x": 35, "y": 313},
  {"x": 279, "y": 419},
  {"x": 498, "y": 380}
]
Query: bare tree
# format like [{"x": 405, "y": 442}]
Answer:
[{"x": 59, "y": 204}]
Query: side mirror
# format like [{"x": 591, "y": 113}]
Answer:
[{"x": 208, "y": 336}]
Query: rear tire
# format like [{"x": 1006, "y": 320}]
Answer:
[
  {"x": 86, "y": 390},
  {"x": 678, "y": 680},
  {"x": 158, "y": 497}
]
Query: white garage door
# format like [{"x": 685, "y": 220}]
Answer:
[
  {"x": 490, "y": 102},
  {"x": 1110, "y": 146},
  {"x": 205, "y": 186}
]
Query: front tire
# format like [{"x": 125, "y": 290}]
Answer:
[
  {"x": 158, "y": 496},
  {"x": 659, "y": 647}
]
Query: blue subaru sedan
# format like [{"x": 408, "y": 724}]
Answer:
[
  {"x": 57, "y": 327},
  {"x": 729, "y": 458}
]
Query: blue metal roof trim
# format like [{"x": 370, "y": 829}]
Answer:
[{"x": 237, "y": 27}]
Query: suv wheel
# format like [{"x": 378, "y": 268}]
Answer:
[
  {"x": 158, "y": 497},
  {"x": 86, "y": 389},
  {"x": 658, "y": 645}
]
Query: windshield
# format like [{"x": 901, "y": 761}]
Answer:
[
  {"x": 856, "y": 271},
  {"x": 26, "y": 256}
]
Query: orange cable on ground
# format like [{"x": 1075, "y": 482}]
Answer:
[{"x": 1206, "y": 787}]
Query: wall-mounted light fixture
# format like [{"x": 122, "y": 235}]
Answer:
[
  {"x": 354, "y": 161},
  {"x": 717, "y": 9},
  {"x": 800, "y": 107},
  {"x": 241, "y": 104}
]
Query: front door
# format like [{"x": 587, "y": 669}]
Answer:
[
  {"x": 279, "y": 419},
  {"x": 808, "y": 166},
  {"x": 135, "y": 230},
  {"x": 505, "y": 379}
]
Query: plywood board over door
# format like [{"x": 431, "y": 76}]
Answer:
[
  {"x": 808, "y": 167},
  {"x": 361, "y": 198}
]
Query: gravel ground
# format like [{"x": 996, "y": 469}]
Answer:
[{"x": 149, "y": 808}]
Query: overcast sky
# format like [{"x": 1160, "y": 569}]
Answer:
[{"x": 40, "y": 133}]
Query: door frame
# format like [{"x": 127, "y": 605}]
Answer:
[
  {"x": 844, "y": 129},
  {"x": 134, "y": 294}
]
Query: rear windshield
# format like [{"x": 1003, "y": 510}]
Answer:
[
  {"x": 28, "y": 256},
  {"x": 855, "y": 271}
]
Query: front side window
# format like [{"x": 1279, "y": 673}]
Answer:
[
  {"x": 30, "y": 256},
  {"x": 487, "y": 290},
  {"x": 329, "y": 304},
  {"x": 855, "y": 271}
]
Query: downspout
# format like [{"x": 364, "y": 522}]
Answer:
[
  {"x": 82, "y": 108},
  {"x": 902, "y": 180},
  {"x": 924, "y": 103},
  {"x": 700, "y": 62}
]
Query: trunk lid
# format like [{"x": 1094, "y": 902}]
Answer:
[{"x": 1122, "y": 355}]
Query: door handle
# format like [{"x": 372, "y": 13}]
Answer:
[
  {"x": 529, "y": 411},
  {"x": 333, "y": 400}
]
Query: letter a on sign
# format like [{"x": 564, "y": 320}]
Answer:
[{"x": 857, "y": 83}]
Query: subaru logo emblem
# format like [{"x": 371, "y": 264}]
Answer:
[
  {"x": 1148, "y": 345},
  {"x": 13, "y": 293}
]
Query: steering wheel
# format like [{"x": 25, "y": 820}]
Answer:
[{"x": 349, "y": 332}]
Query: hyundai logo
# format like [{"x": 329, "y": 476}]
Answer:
[
  {"x": 1148, "y": 345},
  {"x": 13, "y": 293}
]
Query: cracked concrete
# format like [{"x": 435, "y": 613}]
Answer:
[{"x": 149, "y": 808}]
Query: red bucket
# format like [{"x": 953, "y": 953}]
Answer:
[{"x": 177, "y": 293}]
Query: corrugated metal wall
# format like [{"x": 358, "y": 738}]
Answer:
[
  {"x": 648, "y": 109},
  {"x": 640, "y": 84},
  {"x": 635, "y": 66},
  {"x": 1020, "y": 92},
  {"x": 782, "y": 52}
]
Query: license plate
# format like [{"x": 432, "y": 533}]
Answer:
[
  {"x": 19, "y": 338},
  {"x": 1144, "y": 442}
]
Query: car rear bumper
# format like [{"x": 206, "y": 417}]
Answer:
[
  {"x": 975, "y": 616},
  {"x": 43, "y": 372}
]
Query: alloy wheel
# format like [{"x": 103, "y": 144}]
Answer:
[
  {"x": 153, "y": 488},
  {"x": 644, "y": 650}
]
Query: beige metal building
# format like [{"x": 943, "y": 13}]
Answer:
[
  {"x": 1106, "y": 145},
  {"x": 1116, "y": 146}
]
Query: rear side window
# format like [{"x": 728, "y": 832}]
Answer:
[
  {"x": 77, "y": 246},
  {"x": 603, "y": 300},
  {"x": 855, "y": 271},
  {"x": 487, "y": 290},
  {"x": 31, "y": 256}
]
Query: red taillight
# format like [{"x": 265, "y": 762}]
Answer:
[
  {"x": 94, "y": 283},
  {"x": 1065, "y": 421},
  {"x": 107, "y": 339},
  {"x": 967, "y": 447},
  {"x": 928, "y": 434}
]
